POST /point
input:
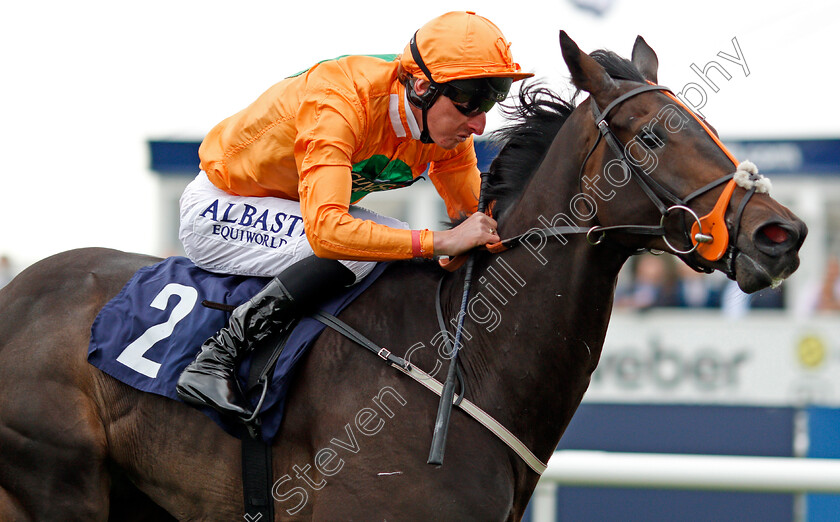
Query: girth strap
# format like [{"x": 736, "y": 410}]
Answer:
[
  {"x": 436, "y": 386},
  {"x": 257, "y": 473},
  {"x": 257, "y": 479}
]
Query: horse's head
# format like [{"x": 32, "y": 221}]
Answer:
[{"x": 686, "y": 196}]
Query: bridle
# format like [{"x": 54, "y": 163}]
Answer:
[
  {"x": 710, "y": 246},
  {"x": 709, "y": 235}
]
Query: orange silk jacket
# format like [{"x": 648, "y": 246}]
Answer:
[{"x": 329, "y": 136}]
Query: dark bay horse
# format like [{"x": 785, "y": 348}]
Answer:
[{"x": 76, "y": 444}]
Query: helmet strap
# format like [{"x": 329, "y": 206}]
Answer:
[
  {"x": 424, "y": 134},
  {"x": 423, "y": 102},
  {"x": 428, "y": 98}
]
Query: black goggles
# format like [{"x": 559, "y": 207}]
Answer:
[{"x": 472, "y": 97}]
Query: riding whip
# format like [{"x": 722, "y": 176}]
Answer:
[{"x": 447, "y": 395}]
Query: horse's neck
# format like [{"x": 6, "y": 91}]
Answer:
[
  {"x": 556, "y": 180},
  {"x": 552, "y": 311}
]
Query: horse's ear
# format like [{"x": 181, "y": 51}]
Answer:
[
  {"x": 645, "y": 59},
  {"x": 587, "y": 74}
]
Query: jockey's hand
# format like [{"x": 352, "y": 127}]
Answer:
[{"x": 477, "y": 230}]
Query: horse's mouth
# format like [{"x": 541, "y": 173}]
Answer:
[
  {"x": 770, "y": 255},
  {"x": 753, "y": 276}
]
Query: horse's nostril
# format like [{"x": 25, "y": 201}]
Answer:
[
  {"x": 775, "y": 233},
  {"x": 775, "y": 239}
]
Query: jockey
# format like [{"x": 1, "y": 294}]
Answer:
[{"x": 279, "y": 181}]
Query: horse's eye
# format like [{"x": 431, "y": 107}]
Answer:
[{"x": 650, "y": 139}]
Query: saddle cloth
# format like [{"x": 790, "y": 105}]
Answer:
[{"x": 154, "y": 327}]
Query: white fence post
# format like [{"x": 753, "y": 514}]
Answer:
[{"x": 545, "y": 502}]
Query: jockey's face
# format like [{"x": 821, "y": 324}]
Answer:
[{"x": 448, "y": 126}]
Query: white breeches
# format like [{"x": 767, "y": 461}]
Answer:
[{"x": 250, "y": 235}]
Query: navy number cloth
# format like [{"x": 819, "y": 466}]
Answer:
[{"x": 155, "y": 326}]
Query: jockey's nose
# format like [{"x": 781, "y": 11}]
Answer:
[{"x": 477, "y": 123}]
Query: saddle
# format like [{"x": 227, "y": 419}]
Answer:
[{"x": 154, "y": 327}]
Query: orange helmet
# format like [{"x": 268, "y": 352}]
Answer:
[
  {"x": 458, "y": 46},
  {"x": 466, "y": 58}
]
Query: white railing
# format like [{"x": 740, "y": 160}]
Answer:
[{"x": 692, "y": 472}]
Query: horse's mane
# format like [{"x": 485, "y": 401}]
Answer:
[{"x": 536, "y": 116}]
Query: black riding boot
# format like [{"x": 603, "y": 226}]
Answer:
[{"x": 210, "y": 380}]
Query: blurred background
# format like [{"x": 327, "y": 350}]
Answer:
[{"x": 103, "y": 105}]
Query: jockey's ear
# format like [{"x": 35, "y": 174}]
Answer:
[
  {"x": 421, "y": 86},
  {"x": 587, "y": 74},
  {"x": 645, "y": 59}
]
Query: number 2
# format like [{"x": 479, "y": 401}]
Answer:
[{"x": 133, "y": 355}]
